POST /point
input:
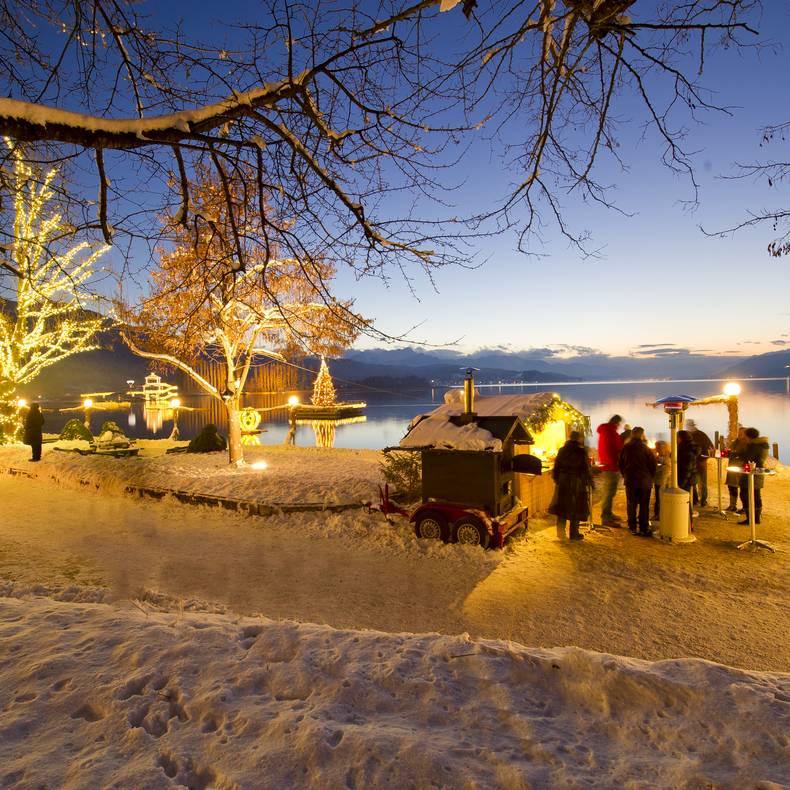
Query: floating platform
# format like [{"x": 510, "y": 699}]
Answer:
[{"x": 337, "y": 411}]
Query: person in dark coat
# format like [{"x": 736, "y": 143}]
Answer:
[
  {"x": 734, "y": 478},
  {"x": 706, "y": 450},
  {"x": 638, "y": 467},
  {"x": 755, "y": 453},
  {"x": 573, "y": 479},
  {"x": 688, "y": 456},
  {"x": 34, "y": 422}
]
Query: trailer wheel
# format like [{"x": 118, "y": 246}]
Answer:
[
  {"x": 432, "y": 526},
  {"x": 471, "y": 531}
]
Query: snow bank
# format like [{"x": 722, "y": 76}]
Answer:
[
  {"x": 95, "y": 695},
  {"x": 293, "y": 474}
]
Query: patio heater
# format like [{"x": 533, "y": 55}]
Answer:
[{"x": 674, "y": 525}]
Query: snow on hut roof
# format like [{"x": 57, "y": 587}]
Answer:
[
  {"x": 534, "y": 410},
  {"x": 436, "y": 430},
  {"x": 495, "y": 422}
]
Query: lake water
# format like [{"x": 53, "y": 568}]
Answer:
[{"x": 763, "y": 403}]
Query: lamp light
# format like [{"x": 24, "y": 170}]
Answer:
[
  {"x": 175, "y": 403},
  {"x": 293, "y": 400},
  {"x": 21, "y": 403},
  {"x": 732, "y": 389},
  {"x": 87, "y": 403}
]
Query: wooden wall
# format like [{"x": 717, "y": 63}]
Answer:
[{"x": 266, "y": 378}]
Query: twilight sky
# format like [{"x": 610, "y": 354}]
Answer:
[{"x": 658, "y": 280}]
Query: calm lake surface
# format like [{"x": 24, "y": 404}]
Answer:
[{"x": 764, "y": 404}]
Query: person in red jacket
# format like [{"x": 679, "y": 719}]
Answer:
[{"x": 609, "y": 446}]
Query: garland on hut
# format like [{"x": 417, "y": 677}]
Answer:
[{"x": 558, "y": 409}]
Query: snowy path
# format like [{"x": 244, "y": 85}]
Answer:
[{"x": 613, "y": 593}]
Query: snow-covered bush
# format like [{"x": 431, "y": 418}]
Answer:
[
  {"x": 402, "y": 470},
  {"x": 75, "y": 429}
]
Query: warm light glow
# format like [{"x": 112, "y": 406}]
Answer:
[
  {"x": 175, "y": 403},
  {"x": 293, "y": 400},
  {"x": 87, "y": 403},
  {"x": 259, "y": 465},
  {"x": 732, "y": 389},
  {"x": 49, "y": 321},
  {"x": 550, "y": 438},
  {"x": 249, "y": 419},
  {"x": 651, "y": 443},
  {"x": 21, "y": 403}
]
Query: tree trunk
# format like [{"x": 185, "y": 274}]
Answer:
[{"x": 235, "y": 451}]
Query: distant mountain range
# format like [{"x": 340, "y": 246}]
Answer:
[
  {"x": 774, "y": 363},
  {"x": 494, "y": 366},
  {"x": 410, "y": 369}
]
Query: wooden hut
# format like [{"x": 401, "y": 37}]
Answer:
[{"x": 543, "y": 416}]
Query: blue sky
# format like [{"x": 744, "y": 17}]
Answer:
[{"x": 657, "y": 278}]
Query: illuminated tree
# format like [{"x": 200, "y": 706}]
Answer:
[
  {"x": 202, "y": 305},
  {"x": 42, "y": 315},
  {"x": 323, "y": 388}
]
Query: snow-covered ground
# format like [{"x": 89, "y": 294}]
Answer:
[
  {"x": 101, "y": 696},
  {"x": 137, "y": 650},
  {"x": 292, "y": 474}
]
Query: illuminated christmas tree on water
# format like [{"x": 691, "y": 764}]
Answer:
[{"x": 323, "y": 388}]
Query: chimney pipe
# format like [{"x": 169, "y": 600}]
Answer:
[{"x": 469, "y": 391}]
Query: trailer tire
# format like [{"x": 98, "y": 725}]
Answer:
[
  {"x": 432, "y": 526},
  {"x": 470, "y": 531}
]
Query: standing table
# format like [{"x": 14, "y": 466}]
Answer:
[
  {"x": 719, "y": 464},
  {"x": 753, "y": 543}
]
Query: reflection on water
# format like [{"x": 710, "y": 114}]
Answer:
[
  {"x": 154, "y": 418},
  {"x": 763, "y": 404},
  {"x": 324, "y": 430}
]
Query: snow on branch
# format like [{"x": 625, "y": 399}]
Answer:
[{"x": 31, "y": 122}]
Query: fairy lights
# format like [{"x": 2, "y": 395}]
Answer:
[{"x": 49, "y": 322}]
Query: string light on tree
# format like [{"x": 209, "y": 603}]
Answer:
[
  {"x": 44, "y": 320},
  {"x": 206, "y": 302}
]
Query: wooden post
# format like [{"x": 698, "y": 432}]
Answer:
[
  {"x": 776, "y": 450},
  {"x": 732, "y": 422},
  {"x": 716, "y": 439}
]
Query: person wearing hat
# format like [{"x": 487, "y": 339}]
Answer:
[{"x": 573, "y": 481}]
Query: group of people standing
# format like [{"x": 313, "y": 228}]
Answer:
[
  {"x": 645, "y": 472},
  {"x": 749, "y": 447}
]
